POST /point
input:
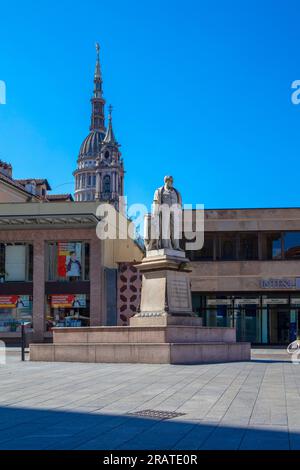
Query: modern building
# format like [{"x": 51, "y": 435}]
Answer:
[
  {"x": 100, "y": 170},
  {"x": 247, "y": 274},
  {"x": 55, "y": 271}
]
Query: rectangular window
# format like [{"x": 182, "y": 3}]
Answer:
[
  {"x": 272, "y": 246},
  {"x": 291, "y": 242},
  {"x": 227, "y": 247},
  {"x": 15, "y": 309},
  {"x": 248, "y": 247},
  {"x": 207, "y": 251},
  {"x": 68, "y": 261},
  {"x": 16, "y": 262},
  {"x": 67, "y": 310}
]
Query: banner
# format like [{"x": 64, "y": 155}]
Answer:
[
  {"x": 68, "y": 301},
  {"x": 14, "y": 301},
  {"x": 69, "y": 259}
]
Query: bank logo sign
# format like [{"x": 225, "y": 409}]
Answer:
[{"x": 286, "y": 283}]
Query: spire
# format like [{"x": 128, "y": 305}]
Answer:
[
  {"x": 97, "y": 75},
  {"x": 97, "y": 118},
  {"x": 109, "y": 136}
]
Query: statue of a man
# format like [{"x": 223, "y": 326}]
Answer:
[{"x": 166, "y": 219}]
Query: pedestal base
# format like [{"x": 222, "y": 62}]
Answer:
[
  {"x": 164, "y": 331},
  {"x": 170, "y": 344}
]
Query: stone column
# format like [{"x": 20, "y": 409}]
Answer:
[
  {"x": 38, "y": 289},
  {"x": 96, "y": 312}
]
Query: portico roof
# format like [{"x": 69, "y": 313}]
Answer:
[{"x": 70, "y": 214}]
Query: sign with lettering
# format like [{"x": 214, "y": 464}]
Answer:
[
  {"x": 68, "y": 301},
  {"x": 275, "y": 301},
  {"x": 14, "y": 301},
  {"x": 285, "y": 283}
]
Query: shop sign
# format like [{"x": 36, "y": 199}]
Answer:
[
  {"x": 68, "y": 301},
  {"x": 219, "y": 302},
  {"x": 287, "y": 283},
  {"x": 275, "y": 301},
  {"x": 246, "y": 301},
  {"x": 14, "y": 301}
]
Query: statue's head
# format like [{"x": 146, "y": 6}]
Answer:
[{"x": 168, "y": 180}]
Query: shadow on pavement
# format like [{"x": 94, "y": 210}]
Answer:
[{"x": 48, "y": 429}]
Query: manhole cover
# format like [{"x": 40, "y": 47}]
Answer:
[{"x": 158, "y": 414}]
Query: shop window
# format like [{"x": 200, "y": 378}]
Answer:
[
  {"x": 248, "y": 246},
  {"x": 67, "y": 310},
  {"x": 68, "y": 261},
  {"x": 292, "y": 245},
  {"x": 16, "y": 262},
  {"x": 272, "y": 246},
  {"x": 15, "y": 309}
]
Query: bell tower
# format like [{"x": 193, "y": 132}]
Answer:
[
  {"x": 100, "y": 169},
  {"x": 109, "y": 168}
]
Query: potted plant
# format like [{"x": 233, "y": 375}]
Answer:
[{"x": 3, "y": 274}]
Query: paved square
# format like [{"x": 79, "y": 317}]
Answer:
[{"x": 252, "y": 405}]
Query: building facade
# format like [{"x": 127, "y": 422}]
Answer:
[
  {"x": 247, "y": 274},
  {"x": 55, "y": 271},
  {"x": 100, "y": 170}
]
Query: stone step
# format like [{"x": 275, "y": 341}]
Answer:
[
  {"x": 155, "y": 334},
  {"x": 151, "y": 353}
]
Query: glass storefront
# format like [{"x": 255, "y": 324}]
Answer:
[
  {"x": 67, "y": 310},
  {"x": 261, "y": 319},
  {"x": 14, "y": 309}
]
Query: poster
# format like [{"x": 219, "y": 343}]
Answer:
[
  {"x": 14, "y": 301},
  {"x": 68, "y": 301},
  {"x": 69, "y": 259}
]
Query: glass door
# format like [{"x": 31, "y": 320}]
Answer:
[{"x": 246, "y": 320}]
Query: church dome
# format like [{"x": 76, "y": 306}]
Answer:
[{"x": 91, "y": 146}]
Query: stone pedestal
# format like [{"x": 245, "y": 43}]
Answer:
[
  {"x": 163, "y": 331},
  {"x": 166, "y": 287}
]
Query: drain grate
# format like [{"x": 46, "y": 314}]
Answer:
[{"x": 156, "y": 414}]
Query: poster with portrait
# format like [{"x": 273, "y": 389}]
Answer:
[
  {"x": 68, "y": 301},
  {"x": 14, "y": 301},
  {"x": 69, "y": 259}
]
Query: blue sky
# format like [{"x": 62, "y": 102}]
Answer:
[{"x": 201, "y": 90}]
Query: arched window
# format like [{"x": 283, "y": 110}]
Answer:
[
  {"x": 106, "y": 155},
  {"x": 106, "y": 184}
]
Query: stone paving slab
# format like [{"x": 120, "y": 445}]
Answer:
[{"x": 246, "y": 405}]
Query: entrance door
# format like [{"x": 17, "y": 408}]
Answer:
[
  {"x": 246, "y": 318},
  {"x": 279, "y": 326}
]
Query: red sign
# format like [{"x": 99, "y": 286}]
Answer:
[
  {"x": 8, "y": 301},
  {"x": 68, "y": 301},
  {"x": 62, "y": 301}
]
